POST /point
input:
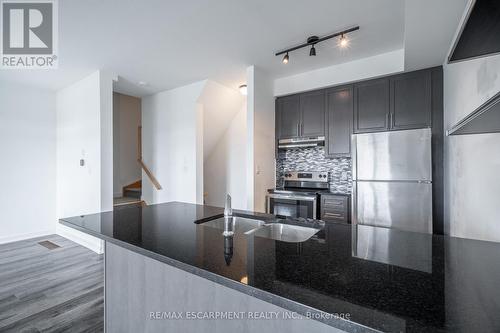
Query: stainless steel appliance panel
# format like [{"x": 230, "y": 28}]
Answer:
[
  {"x": 301, "y": 142},
  {"x": 290, "y": 205},
  {"x": 393, "y": 247},
  {"x": 398, "y": 155},
  {"x": 400, "y": 205}
]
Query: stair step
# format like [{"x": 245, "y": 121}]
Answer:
[
  {"x": 122, "y": 201},
  {"x": 132, "y": 193},
  {"x": 134, "y": 189}
]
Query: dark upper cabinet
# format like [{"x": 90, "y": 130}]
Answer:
[
  {"x": 312, "y": 108},
  {"x": 411, "y": 100},
  {"x": 339, "y": 114},
  {"x": 288, "y": 117},
  {"x": 371, "y": 106},
  {"x": 398, "y": 102},
  {"x": 301, "y": 115}
]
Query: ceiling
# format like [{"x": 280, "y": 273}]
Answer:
[{"x": 172, "y": 43}]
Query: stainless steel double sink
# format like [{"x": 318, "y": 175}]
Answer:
[{"x": 277, "y": 231}]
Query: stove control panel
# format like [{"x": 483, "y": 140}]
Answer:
[{"x": 307, "y": 176}]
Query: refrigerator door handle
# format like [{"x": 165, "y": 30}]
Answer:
[{"x": 354, "y": 212}]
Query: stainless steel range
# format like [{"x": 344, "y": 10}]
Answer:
[{"x": 299, "y": 196}]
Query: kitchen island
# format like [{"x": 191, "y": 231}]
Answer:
[{"x": 169, "y": 267}]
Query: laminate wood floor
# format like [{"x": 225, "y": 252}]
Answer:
[{"x": 58, "y": 290}]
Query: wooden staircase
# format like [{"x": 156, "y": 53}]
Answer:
[
  {"x": 133, "y": 190},
  {"x": 131, "y": 195}
]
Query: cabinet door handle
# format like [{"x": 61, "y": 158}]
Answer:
[
  {"x": 388, "y": 119},
  {"x": 298, "y": 129},
  {"x": 333, "y": 215}
]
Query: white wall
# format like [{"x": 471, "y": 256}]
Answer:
[
  {"x": 379, "y": 65},
  {"x": 28, "y": 168},
  {"x": 126, "y": 120},
  {"x": 106, "y": 124},
  {"x": 429, "y": 29},
  {"x": 225, "y": 167},
  {"x": 171, "y": 144},
  {"x": 224, "y": 145},
  {"x": 220, "y": 105},
  {"x": 472, "y": 162},
  {"x": 84, "y": 131},
  {"x": 261, "y": 166}
]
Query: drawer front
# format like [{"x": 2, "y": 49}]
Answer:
[
  {"x": 334, "y": 215},
  {"x": 335, "y": 208},
  {"x": 334, "y": 202}
]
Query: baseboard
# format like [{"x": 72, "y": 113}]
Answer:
[
  {"x": 20, "y": 237},
  {"x": 90, "y": 242}
]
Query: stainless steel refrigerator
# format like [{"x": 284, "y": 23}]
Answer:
[{"x": 392, "y": 180}]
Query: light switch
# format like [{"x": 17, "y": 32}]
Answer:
[{"x": 82, "y": 162}]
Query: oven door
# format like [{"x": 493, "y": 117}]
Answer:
[{"x": 292, "y": 205}]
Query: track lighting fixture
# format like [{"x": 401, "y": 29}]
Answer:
[
  {"x": 285, "y": 58},
  {"x": 343, "y": 42},
  {"x": 312, "y": 52},
  {"x": 313, "y": 40}
]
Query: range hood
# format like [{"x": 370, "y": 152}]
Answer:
[
  {"x": 485, "y": 119},
  {"x": 301, "y": 142},
  {"x": 479, "y": 34}
]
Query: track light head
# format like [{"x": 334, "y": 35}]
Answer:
[
  {"x": 343, "y": 42},
  {"x": 312, "y": 52},
  {"x": 286, "y": 58}
]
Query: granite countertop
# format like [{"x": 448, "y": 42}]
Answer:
[{"x": 382, "y": 279}]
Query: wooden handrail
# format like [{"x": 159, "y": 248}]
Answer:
[
  {"x": 148, "y": 172},
  {"x": 150, "y": 175},
  {"x": 139, "y": 143}
]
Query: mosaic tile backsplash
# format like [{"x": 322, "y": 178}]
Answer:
[{"x": 314, "y": 159}]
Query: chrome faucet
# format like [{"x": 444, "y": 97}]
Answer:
[
  {"x": 228, "y": 218},
  {"x": 228, "y": 211}
]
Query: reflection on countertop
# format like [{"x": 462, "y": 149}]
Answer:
[{"x": 385, "y": 279}]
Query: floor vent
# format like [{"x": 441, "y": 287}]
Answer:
[{"x": 49, "y": 245}]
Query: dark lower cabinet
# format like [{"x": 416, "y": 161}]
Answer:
[
  {"x": 339, "y": 115},
  {"x": 411, "y": 103},
  {"x": 371, "y": 106},
  {"x": 335, "y": 208}
]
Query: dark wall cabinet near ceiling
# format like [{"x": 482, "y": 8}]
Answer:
[
  {"x": 411, "y": 105},
  {"x": 301, "y": 115},
  {"x": 339, "y": 113},
  {"x": 398, "y": 102},
  {"x": 371, "y": 106},
  {"x": 312, "y": 109},
  {"x": 393, "y": 103},
  {"x": 288, "y": 117}
]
